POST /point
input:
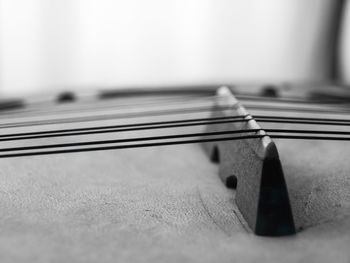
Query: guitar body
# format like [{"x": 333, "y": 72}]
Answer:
[{"x": 157, "y": 204}]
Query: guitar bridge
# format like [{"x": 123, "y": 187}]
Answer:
[{"x": 253, "y": 167}]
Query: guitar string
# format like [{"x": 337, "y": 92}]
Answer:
[
  {"x": 274, "y": 119},
  {"x": 152, "y": 113},
  {"x": 152, "y": 101},
  {"x": 301, "y": 118},
  {"x": 298, "y": 109},
  {"x": 295, "y": 120},
  {"x": 119, "y": 107},
  {"x": 205, "y": 134},
  {"x": 197, "y": 98},
  {"x": 96, "y": 107},
  {"x": 156, "y": 144},
  {"x": 296, "y": 100},
  {"x": 167, "y": 137},
  {"x": 120, "y": 115},
  {"x": 148, "y": 126},
  {"x": 189, "y": 97},
  {"x": 161, "y": 125},
  {"x": 179, "y": 136},
  {"x": 135, "y": 139},
  {"x": 121, "y": 128}
]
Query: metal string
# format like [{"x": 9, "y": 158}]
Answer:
[
  {"x": 143, "y": 145},
  {"x": 170, "y": 124},
  {"x": 296, "y": 100},
  {"x": 121, "y": 128},
  {"x": 180, "y": 136},
  {"x": 96, "y": 107},
  {"x": 117, "y": 116},
  {"x": 164, "y": 140},
  {"x": 298, "y": 109},
  {"x": 277, "y": 119}
]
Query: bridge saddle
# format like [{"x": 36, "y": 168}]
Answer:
[{"x": 253, "y": 167}]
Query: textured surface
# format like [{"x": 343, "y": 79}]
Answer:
[
  {"x": 165, "y": 204},
  {"x": 128, "y": 207},
  {"x": 132, "y": 210}
]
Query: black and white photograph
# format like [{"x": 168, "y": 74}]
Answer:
[{"x": 190, "y": 131}]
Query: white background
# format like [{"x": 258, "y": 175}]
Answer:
[{"x": 50, "y": 44}]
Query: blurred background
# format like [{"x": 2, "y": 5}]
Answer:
[{"x": 75, "y": 44}]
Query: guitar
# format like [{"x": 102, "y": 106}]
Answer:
[{"x": 194, "y": 175}]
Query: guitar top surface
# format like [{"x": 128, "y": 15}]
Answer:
[{"x": 158, "y": 204}]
